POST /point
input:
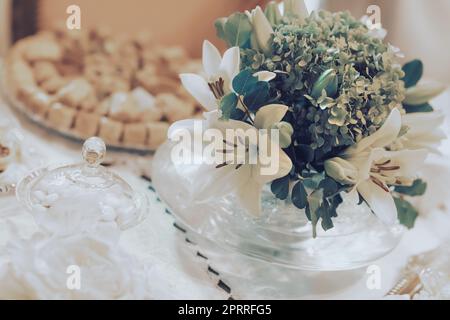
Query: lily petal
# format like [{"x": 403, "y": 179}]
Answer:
[
  {"x": 297, "y": 8},
  {"x": 231, "y": 62},
  {"x": 211, "y": 59},
  {"x": 199, "y": 89},
  {"x": 249, "y": 195},
  {"x": 215, "y": 182},
  {"x": 387, "y": 134},
  {"x": 283, "y": 169},
  {"x": 269, "y": 115},
  {"x": 265, "y": 75},
  {"x": 409, "y": 161},
  {"x": 380, "y": 201},
  {"x": 262, "y": 29}
]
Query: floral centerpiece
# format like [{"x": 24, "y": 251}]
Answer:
[{"x": 349, "y": 117}]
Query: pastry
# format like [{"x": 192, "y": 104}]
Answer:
[
  {"x": 174, "y": 108},
  {"x": 110, "y": 130},
  {"x": 75, "y": 92},
  {"x": 39, "y": 103},
  {"x": 146, "y": 104},
  {"x": 86, "y": 124},
  {"x": 43, "y": 48},
  {"x": 91, "y": 82},
  {"x": 156, "y": 133},
  {"x": 61, "y": 116},
  {"x": 123, "y": 108},
  {"x": 53, "y": 85},
  {"x": 44, "y": 70},
  {"x": 135, "y": 134}
]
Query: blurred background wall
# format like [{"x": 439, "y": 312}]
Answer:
[{"x": 421, "y": 28}]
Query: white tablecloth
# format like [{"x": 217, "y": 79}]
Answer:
[{"x": 178, "y": 272}]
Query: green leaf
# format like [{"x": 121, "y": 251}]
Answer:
[
  {"x": 314, "y": 181},
  {"x": 257, "y": 96},
  {"x": 280, "y": 188},
  {"x": 407, "y": 214},
  {"x": 417, "y": 189},
  {"x": 413, "y": 73},
  {"x": 228, "y": 105},
  {"x": 238, "y": 114},
  {"x": 315, "y": 201},
  {"x": 220, "y": 28},
  {"x": 238, "y": 29},
  {"x": 299, "y": 196},
  {"x": 326, "y": 212},
  {"x": 244, "y": 82},
  {"x": 426, "y": 107},
  {"x": 329, "y": 186},
  {"x": 305, "y": 153}
]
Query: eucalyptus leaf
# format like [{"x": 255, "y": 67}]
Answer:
[
  {"x": 413, "y": 73},
  {"x": 407, "y": 214},
  {"x": 299, "y": 196},
  {"x": 257, "y": 96},
  {"x": 238, "y": 29},
  {"x": 244, "y": 82},
  {"x": 329, "y": 186},
  {"x": 417, "y": 189},
  {"x": 426, "y": 107},
  {"x": 220, "y": 28},
  {"x": 228, "y": 105},
  {"x": 314, "y": 181},
  {"x": 280, "y": 188},
  {"x": 304, "y": 153},
  {"x": 326, "y": 213}
]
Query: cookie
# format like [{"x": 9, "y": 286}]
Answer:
[
  {"x": 146, "y": 104},
  {"x": 61, "y": 116},
  {"x": 156, "y": 134},
  {"x": 75, "y": 92},
  {"x": 43, "y": 48},
  {"x": 87, "y": 124},
  {"x": 44, "y": 70},
  {"x": 174, "y": 108},
  {"x": 135, "y": 134},
  {"x": 110, "y": 130}
]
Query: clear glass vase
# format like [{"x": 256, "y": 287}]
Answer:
[{"x": 282, "y": 235}]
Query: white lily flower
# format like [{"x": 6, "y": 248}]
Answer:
[
  {"x": 242, "y": 175},
  {"x": 262, "y": 30},
  {"x": 374, "y": 169},
  {"x": 220, "y": 71},
  {"x": 423, "y": 93},
  {"x": 296, "y": 8},
  {"x": 424, "y": 131}
]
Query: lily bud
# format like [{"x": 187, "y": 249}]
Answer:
[
  {"x": 328, "y": 81},
  {"x": 296, "y": 8},
  {"x": 286, "y": 130},
  {"x": 423, "y": 93},
  {"x": 341, "y": 170},
  {"x": 262, "y": 29},
  {"x": 273, "y": 13}
]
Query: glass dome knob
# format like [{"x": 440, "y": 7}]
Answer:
[{"x": 94, "y": 151}]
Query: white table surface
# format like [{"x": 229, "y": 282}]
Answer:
[{"x": 178, "y": 273}]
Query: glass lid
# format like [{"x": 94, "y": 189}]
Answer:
[{"x": 79, "y": 197}]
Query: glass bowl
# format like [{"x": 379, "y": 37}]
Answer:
[
  {"x": 282, "y": 235},
  {"x": 77, "y": 198}
]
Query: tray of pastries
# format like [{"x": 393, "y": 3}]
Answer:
[{"x": 80, "y": 84}]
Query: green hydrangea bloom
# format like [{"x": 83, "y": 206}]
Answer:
[{"x": 369, "y": 82}]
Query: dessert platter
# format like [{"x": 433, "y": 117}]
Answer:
[{"x": 90, "y": 83}]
